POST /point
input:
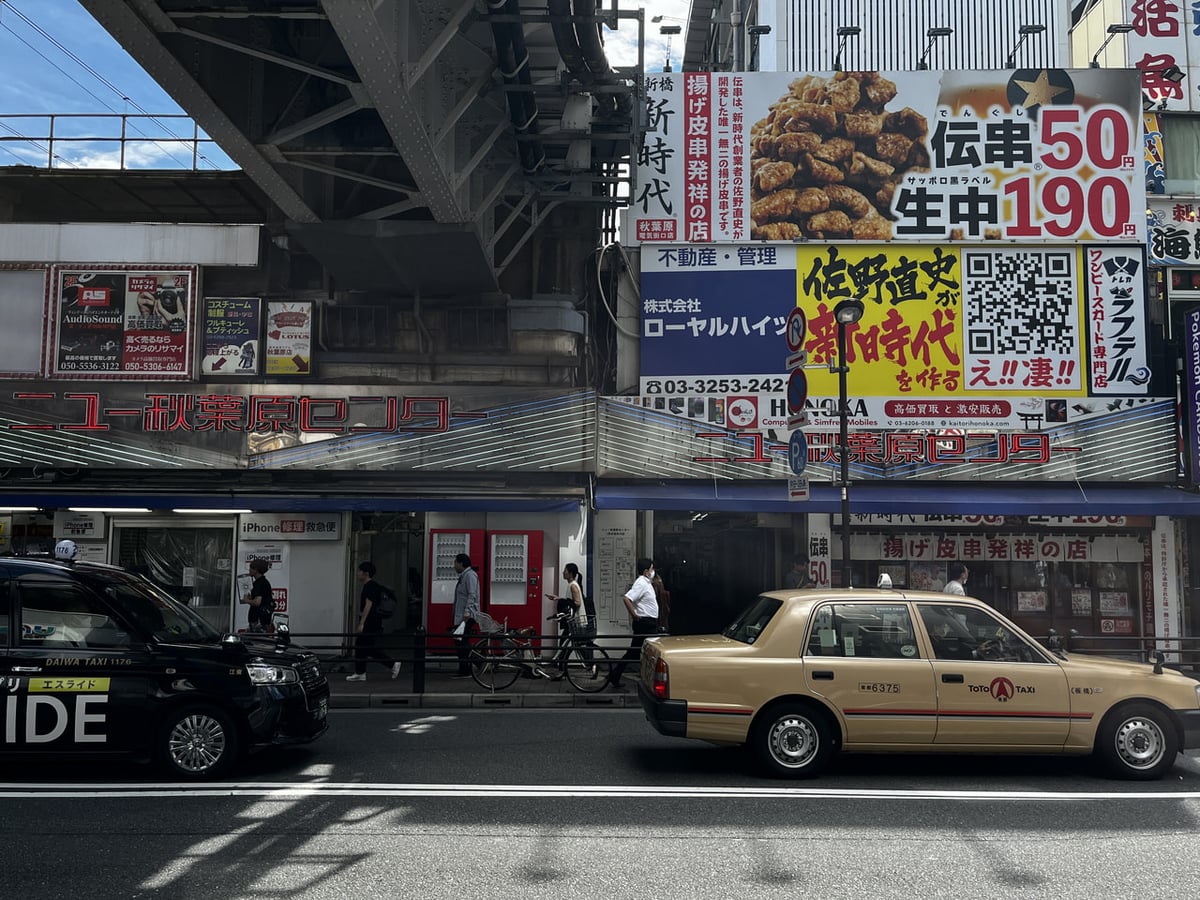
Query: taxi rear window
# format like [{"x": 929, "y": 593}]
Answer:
[{"x": 749, "y": 625}]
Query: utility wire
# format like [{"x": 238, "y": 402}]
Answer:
[
  {"x": 91, "y": 71},
  {"x": 49, "y": 157}
]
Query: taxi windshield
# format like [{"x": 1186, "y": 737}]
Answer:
[
  {"x": 749, "y": 625},
  {"x": 152, "y": 609}
]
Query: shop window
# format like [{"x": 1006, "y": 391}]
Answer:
[{"x": 1181, "y": 149}]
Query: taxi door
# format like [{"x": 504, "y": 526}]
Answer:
[
  {"x": 75, "y": 679},
  {"x": 994, "y": 685},
  {"x": 863, "y": 658}
]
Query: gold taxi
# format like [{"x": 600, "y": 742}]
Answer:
[{"x": 801, "y": 675}]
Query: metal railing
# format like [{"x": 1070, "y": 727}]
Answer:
[
  {"x": 1182, "y": 652},
  {"x": 124, "y": 142}
]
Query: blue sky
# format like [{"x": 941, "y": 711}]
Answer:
[{"x": 38, "y": 77}]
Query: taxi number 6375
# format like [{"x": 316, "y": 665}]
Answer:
[{"x": 878, "y": 687}]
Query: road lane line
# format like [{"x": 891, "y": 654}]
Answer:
[{"x": 15, "y": 791}]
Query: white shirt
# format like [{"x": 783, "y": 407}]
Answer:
[
  {"x": 954, "y": 587},
  {"x": 643, "y": 598}
]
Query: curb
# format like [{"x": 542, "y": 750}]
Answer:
[{"x": 481, "y": 701}]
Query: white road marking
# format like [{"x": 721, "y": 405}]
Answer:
[{"x": 281, "y": 791}]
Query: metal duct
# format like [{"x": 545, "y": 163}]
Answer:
[
  {"x": 592, "y": 47},
  {"x": 512, "y": 59}
]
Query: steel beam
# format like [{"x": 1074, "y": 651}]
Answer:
[
  {"x": 374, "y": 58},
  {"x": 138, "y": 39}
]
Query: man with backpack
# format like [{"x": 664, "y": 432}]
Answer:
[{"x": 373, "y": 607}]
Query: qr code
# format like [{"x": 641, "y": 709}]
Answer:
[{"x": 1020, "y": 303}]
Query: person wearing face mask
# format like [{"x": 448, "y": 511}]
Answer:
[{"x": 642, "y": 604}]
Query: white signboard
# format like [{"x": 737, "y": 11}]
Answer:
[
  {"x": 291, "y": 527},
  {"x": 78, "y": 525},
  {"x": 276, "y": 553}
]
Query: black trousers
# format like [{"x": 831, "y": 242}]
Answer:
[
  {"x": 462, "y": 646},
  {"x": 366, "y": 646},
  {"x": 642, "y": 628}
]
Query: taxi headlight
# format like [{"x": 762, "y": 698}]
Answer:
[{"x": 260, "y": 673}]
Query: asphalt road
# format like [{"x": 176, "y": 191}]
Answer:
[{"x": 561, "y": 803}]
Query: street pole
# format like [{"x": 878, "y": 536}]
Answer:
[
  {"x": 845, "y": 313},
  {"x": 844, "y": 450}
]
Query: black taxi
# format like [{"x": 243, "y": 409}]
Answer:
[{"x": 98, "y": 661}]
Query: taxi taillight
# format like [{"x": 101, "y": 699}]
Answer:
[{"x": 661, "y": 685}]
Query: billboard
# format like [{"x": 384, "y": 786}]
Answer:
[
  {"x": 1030, "y": 155},
  {"x": 113, "y": 323},
  {"x": 998, "y": 337}
]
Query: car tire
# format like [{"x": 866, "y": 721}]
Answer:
[
  {"x": 1137, "y": 742},
  {"x": 793, "y": 740},
  {"x": 198, "y": 743}
]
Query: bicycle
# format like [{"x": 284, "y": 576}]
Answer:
[
  {"x": 578, "y": 658},
  {"x": 500, "y": 657}
]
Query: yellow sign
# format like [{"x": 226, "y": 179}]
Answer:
[
  {"x": 68, "y": 685},
  {"x": 1019, "y": 332}
]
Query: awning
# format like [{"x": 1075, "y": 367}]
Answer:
[
  {"x": 294, "y": 503},
  {"x": 911, "y": 497}
]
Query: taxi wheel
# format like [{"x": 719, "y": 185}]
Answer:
[
  {"x": 793, "y": 740},
  {"x": 198, "y": 742},
  {"x": 1138, "y": 742}
]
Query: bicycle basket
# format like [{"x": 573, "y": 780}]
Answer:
[{"x": 488, "y": 625}]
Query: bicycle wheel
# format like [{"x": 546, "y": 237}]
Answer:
[
  {"x": 588, "y": 668},
  {"x": 493, "y": 666}
]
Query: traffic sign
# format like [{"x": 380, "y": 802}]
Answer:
[
  {"x": 798, "y": 488},
  {"x": 796, "y": 360},
  {"x": 797, "y": 452},
  {"x": 797, "y": 330},
  {"x": 797, "y": 391}
]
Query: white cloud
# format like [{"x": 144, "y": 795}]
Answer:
[{"x": 621, "y": 45}]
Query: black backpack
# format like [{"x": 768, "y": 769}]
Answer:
[{"x": 387, "y": 602}]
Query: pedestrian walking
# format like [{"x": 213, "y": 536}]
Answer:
[
  {"x": 466, "y": 611},
  {"x": 642, "y": 605},
  {"x": 370, "y": 626}
]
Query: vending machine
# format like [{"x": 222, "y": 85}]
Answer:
[
  {"x": 444, "y": 545},
  {"x": 514, "y": 578}
]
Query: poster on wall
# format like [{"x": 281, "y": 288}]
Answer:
[
  {"x": 276, "y": 553},
  {"x": 231, "y": 335},
  {"x": 960, "y": 337},
  {"x": 115, "y": 323},
  {"x": 289, "y": 338},
  {"x": 1035, "y": 155}
]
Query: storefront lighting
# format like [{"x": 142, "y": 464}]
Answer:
[
  {"x": 846, "y": 313},
  {"x": 108, "y": 509},
  {"x": 1024, "y": 32},
  {"x": 1113, "y": 30},
  {"x": 17, "y": 509},
  {"x": 933, "y": 34},
  {"x": 215, "y": 512}
]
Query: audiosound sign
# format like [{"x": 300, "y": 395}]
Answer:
[{"x": 1191, "y": 393}]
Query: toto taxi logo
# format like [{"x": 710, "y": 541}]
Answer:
[{"x": 1001, "y": 689}]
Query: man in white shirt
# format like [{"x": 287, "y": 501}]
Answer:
[
  {"x": 642, "y": 605},
  {"x": 958, "y": 578}
]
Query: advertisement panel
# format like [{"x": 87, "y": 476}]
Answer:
[
  {"x": 962, "y": 337},
  {"x": 1173, "y": 233},
  {"x": 231, "y": 333},
  {"x": 289, "y": 338},
  {"x": 112, "y": 323},
  {"x": 1032, "y": 155},
  {"x": 1191, "y": 393}
]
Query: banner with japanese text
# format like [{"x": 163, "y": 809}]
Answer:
[
  {"x": 1173, "y": 233},
  {"x": 951, "y": 338},
  {"x": 1163, "y": 46},
  {"x": 113, "y": 323},
  {"x": 1032, "y": 155},
  {"x": 231, "y": 331}
]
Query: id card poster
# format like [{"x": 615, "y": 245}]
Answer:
[{"x": 276, "y": 553}]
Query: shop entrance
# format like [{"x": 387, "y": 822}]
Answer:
[
  {"x": 193, "y": 563},
  {"x": 713, "y": 564}
]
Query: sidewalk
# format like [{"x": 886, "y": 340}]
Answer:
[{"x": 443, "y": 691}]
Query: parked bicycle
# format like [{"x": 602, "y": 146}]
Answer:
[{"x": 502, "y": 655}]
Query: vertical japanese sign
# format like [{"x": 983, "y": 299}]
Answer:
[
  {"x": 871, "y": 156},
  {"x": 1191, "y": 393},
  {"x": 116, "y": 323},
  {"x": 1159, "y": 41},
  {"x": 289, "y": 338},
  {"x": 231, "y": 332},
  {"x": 1117, "y": 338},
  {"x": 1173, "y": 232}
]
